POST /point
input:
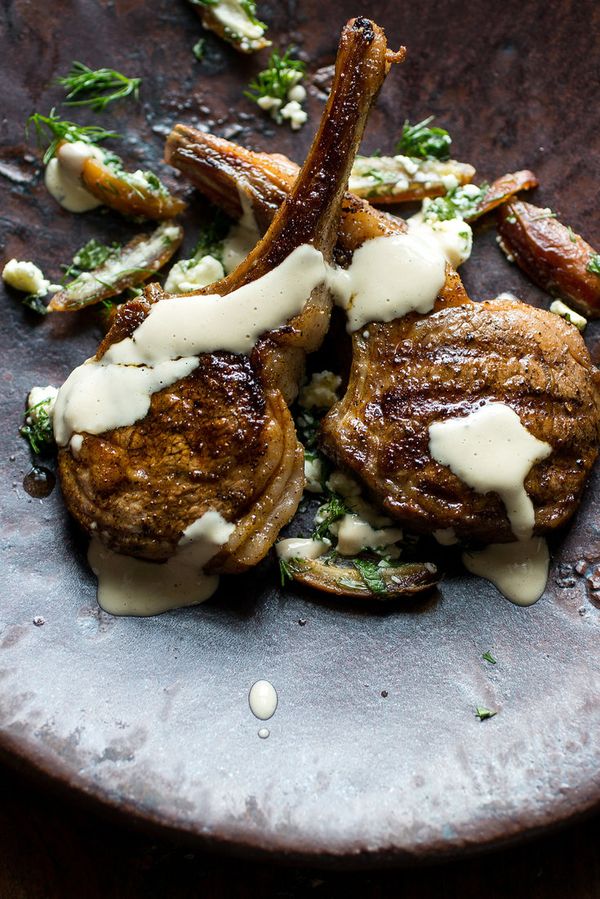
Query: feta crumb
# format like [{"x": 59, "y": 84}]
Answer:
[
  {"x": 351, "y": 491},
  {"x": 294, "y": 113},
  {"x": 320, "y": 392},
  {"x": 297, "y": 93},
  {"x": 314, "y": 472},
  {"x": 39, "y": 395},
  {"x": 25, "y": 276},
  {"x": 188, "y": 275},
  {"x": 504, "y": 249},
  {"x": 269, "y": 103}
]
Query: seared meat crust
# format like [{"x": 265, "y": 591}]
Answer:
[{"x": 420, "y": 369}]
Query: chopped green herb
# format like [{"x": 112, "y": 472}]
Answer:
[
  {"x": 204, "y": 2},
  {"x": 483, "y": 713},
  {"x": 61, "y": 130},
  {"x": 422, "y": 142},
  {"x": 210, "y": 242},
  {"x": 198, "y": 49},
  {"x": 281, "y": 74},
  {"x": 593, "y": 264},
  {"x": 334, "y": 509},
  {"x": 489, "y": 658},
  {"x": 308, "y": 428},
  {"x": 460, "y": 202},
  {"x": 572, "y": 235},
  {"x": 370, "y": 574},
  {"x": 88, "y": 257},
  {"x": 37, "y": 428},
  {"x": 34, "y": 302},
  {"x": 511, "y": 219},
  {"x": 97, "y": 88},
  {"x": 544, "y": 214},
  {"x": 285, "y": 572}
]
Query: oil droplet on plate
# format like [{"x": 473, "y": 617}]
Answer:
[
  {"x": 39, "y": 482},
  {"x": 262, "y": 699}
]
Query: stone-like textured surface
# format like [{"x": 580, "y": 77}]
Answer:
[{"x": 151, "y": 716}]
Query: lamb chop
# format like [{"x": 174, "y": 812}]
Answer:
[
  {"x": 222, "y": 439},
  {"x": 408, "y": 373}
]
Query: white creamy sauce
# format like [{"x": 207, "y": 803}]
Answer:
[
  {"x": 242, "y": 237},
  {"x": 188, "y": 274},
  {"x": 301, "y": 548},
  {"x": 518, "y": 570},
  {"x": 129, "y": 586},
  {"x": 264, "y": 732},
  {"x": 234, "y": 17},
  {"x": 262, "y": 699},
  {"x": 354, "y": 534},
  {"x": 63, "y": 176},
  {"x": 389, "y": 277},
  {"x": 75, "y": 444},
  {"x": 491, "y": 451},
  {"x": 99, "y": 396}
]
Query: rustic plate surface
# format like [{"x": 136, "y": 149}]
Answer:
[{"x": 151, "y": 716}]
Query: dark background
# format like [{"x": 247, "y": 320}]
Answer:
[{"x": 522, "y": 92}]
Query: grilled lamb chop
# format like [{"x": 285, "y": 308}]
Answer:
[
  {"x": 419, "y": 369},
  {"x": 222, "y": 438}
]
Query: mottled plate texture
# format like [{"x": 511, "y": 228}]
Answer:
[{"x": 151, "y": 716}]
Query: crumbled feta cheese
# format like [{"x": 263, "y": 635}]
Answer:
[
  {"x": 320, "y": 392},
  {"x": 39, "y": 395},
  {"x": 574, "y": 318},
  {"x": 504, "y": 249},
  {"x": 297, "y": 93},
  {"x": 294, "y": 113},
  {"x": 314, "y": 472},
  {"x": 269, "y": 103},
  {"x": 346, "y": 487},
  {"x": 27, "y": 277},
  {"x": 188, "y": 275}
]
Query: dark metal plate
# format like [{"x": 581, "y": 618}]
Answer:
[{"x": 151, "y": 716}]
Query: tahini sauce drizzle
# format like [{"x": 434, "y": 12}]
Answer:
[
  {"x": 129, "y": 586},
  {"x": 492, "y": 451},
  {"x": 63, "y": 176},
  {"x": 262, "y": 700}
]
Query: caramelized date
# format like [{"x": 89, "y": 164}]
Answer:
[{"x": 551, "y": 254}]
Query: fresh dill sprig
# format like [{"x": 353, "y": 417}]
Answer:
[
  {"x": 88, "y": 257},
  {"x": 371, "y": 575},
  {"x": 60, "y": 129},
  {"x": 422, "y": 142},
  {"x": 37, "y": 428},
  {"x": 334, "y": 509},
  {"x": 97, "y": 88},
  {"x": 593, "y": 265},
  {"x": 204, "y": 2},
  {"x": 285, "y": 572},
  {"x": 249, "y": 7},
  {"x": 210, "y": 242},
  {"x": 488, "y": 657},
  {"x": 281, "y": 74}
]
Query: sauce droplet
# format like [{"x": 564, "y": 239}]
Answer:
[
  {"x": 262, "y": 699},
  {"x": 39, "y": 482},
  {"x": 264, "y": 732}
]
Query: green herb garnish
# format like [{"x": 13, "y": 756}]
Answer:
[
  {"x": 198, "y": 49},
  {"x": 210, "y": 242},
  {"x": 204, "y": 2},
  {"x": 285, "y": 572},
  {"x": 460, "y": 202},
  {"x": 334, "y": 509},
  {"x": 572, "y": 235},
  {"x": 489, "y": 658},
  {"x": 281, "y": 74},
  {"x": 483, "y": 713},
  {"x": 34, "y": 302},
  {"x": 593, "y": 265},
  {"x": 89, "y": 257},
  {"x": 422, "y": 142},
  {"x": 38, "y": 426},
  {"x": 97, "y": 88},
  {"x": 61, "y": 130},
  {"x": 371, "y": 575}
]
